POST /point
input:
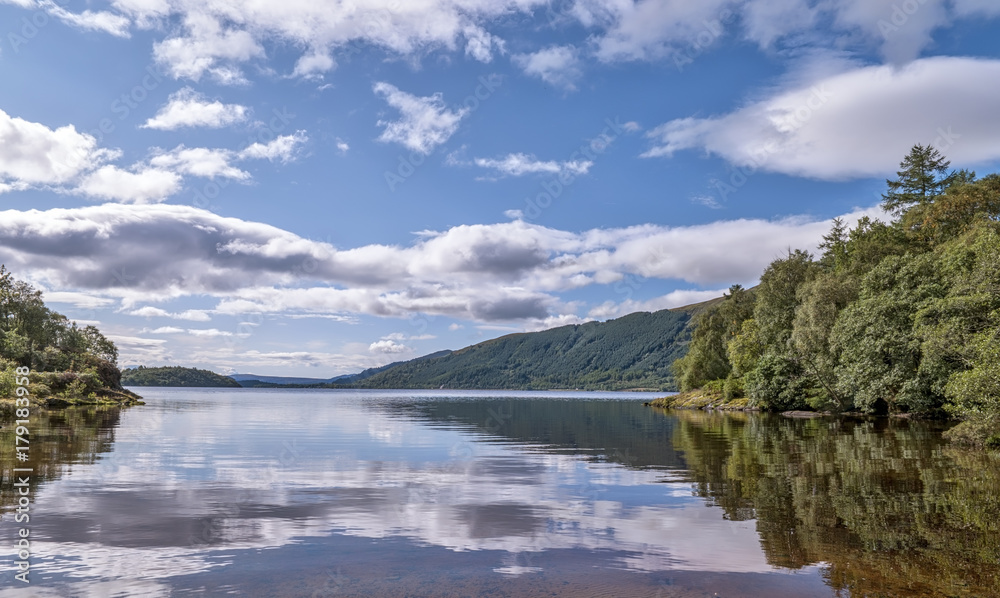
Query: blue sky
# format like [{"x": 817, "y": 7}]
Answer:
[{"x": 309, "y": 188}]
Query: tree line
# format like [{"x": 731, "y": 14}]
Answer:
[
  {"x": 66, "y": 361},
  {"x": 892, "y": 317}
]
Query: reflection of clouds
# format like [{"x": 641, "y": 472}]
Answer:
[
  {"x": 97, "y": 589},
  {"x": 365, "y": 473}
]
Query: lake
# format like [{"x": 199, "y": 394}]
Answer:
[{"x": 456, "y": 493}]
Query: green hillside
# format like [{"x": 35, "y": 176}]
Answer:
[
  {"x": 631, "y": 352},
  {"x": 175, "y": 376}
]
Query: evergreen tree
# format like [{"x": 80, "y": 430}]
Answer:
[{"x": 923, "y": 175}]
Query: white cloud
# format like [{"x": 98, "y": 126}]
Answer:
[
  {"x": 479, "y": 43},
  {"x": 707, "y": 200},
  {"x": 281, "y": 148},
  {"x": 765, "y": 21},
  {"x": 858, "y": 123},
  {"x": 66, "y": 161},
  {"x": 199, "y": 161},
  {"x": 219, "y": 39},
  {"x": 425, "y": 122},
  {"x": 558, "y": 66},
  {"x": 314, "y": 64},
  {"x": 156, "y": 312},
  {"x": 610, "y": 309},
  {"x": 388, "y": 346},
  {"x": 31, "y": 153},
  {"x": 506, "y": 272},
  {"x": 144, "y": 185},
  {"x": 79, "y": 300},
  {"x": 208, "y": 47},
  {"x": 188, "y": 108},
  {"x": 522, "y": 164},
  {"x": 209, "y": 332},
  {"x": 162, "y": 330},
  {"x": 901, "y": 35},
  {"x": 107, "y": 22},
  {"x": 654, "y": 29}
]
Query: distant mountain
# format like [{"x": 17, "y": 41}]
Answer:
[
  {"x": 633, "y": 352},
  {"x": 629, "y": 353},
  {"x": 248, "y": 379},
  {"x": 175, "y": 376}
]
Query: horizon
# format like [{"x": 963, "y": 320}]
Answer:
[{"x": 295, "y": 189}]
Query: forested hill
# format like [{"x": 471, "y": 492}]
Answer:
[
  {"x": 175, "y": 376},
  {"x": 631, "y": 352}
]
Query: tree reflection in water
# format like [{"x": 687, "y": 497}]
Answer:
[{"x": 889, "y": 507}]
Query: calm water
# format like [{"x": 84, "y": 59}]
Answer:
[{"x": 344, "y": 493}]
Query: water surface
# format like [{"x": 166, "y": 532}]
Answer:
[{"x": 420, "y": 493}]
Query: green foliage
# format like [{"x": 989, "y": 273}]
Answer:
[
  {"x": 777, "y": 383},
  {"x": 64, "y": 359},
  {"x": 777, "y": 297},
  {"x": 921, "y": 178},
  {"x": 714, "y": 328},
  {"x": 175, "y": 376},
  {"x": 893, "y": 317},
  {"x": 820, "y": 302},
  {"x": 879, "y": 352},
  {"x": 954, "y": 212}
]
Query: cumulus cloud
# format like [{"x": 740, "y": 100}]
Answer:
[
  {"x": 219, "y": 39},
  {"x": 558, "y": 66},
  {"x": 188, "y": 108},
  {"x": 388, "y": 346},
  {"x": 652, "y": 29},
  {"x": 149, "y": 311},
  {"x": 31, "y": 153},
  {"x": 80, "y": 300},
  {"x": 857, "y": 123},
  {"x": 612, "y": 309},
  {"x": 88, "y": 20},
  {"x": 282, "y": 148},
  {"x": 64, "y": 160},
  {"x": 680, "y": 30},
  {"x": 512, "y": 271},
  {"x": 199, "y": 161},
  {"x": 209, "y": 47},
  {"x": 140, "y": 186},
  {"x": 522, "y": 164},
  {"x": 424, "y": 123}
]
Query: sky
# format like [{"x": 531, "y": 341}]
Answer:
[{"x": 307, "y": 188}]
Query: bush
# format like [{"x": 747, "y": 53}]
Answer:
[{"x": 733, "y": 388}]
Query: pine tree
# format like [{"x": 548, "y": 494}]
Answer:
[{"x": 923, "y": 176}]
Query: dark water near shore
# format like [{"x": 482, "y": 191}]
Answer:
[{"x": 427, "y": 493}]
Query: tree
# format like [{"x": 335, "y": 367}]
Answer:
[
  {"x": 879, "y": 353},
  {"x": 834, "y": 245},
  {"x": 777, "y": 297},
  {"x": 956, "y": 211},
  {"x": 820, "y": 302},
  {"x": 923, "y": 175}
]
